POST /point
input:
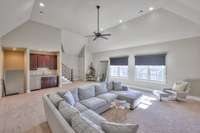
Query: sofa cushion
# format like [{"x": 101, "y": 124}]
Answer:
[
  {"x": 55, "y": 99},
  {"x": 109, "y": 97},
  {"x": 109, "y": 85},
  {"x": 80, "y": 107},
  {"x": 69, "y": 98},
  {"x": 100, "y": 89},
  {"x": 110, "y": 127},
  {"x": 68, "y": 112},
  {"x": 94, "y": 117},
  {"x": 93, "y": 103},
  {"x": 86, "y": 92},
  {"x": 117, "y": 86},
  {"x": 81, "y": 124}
]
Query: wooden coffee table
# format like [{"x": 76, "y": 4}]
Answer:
[{"x": 120, "y": 108}]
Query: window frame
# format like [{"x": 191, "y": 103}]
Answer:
[
  {"x": 122, "y": 77},
  {"x": 149, "y": 80}
]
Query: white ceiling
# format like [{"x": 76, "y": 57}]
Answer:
[
  {"x": 79, "y": 16},
  {"x": 158, "y": 26},
  {"x": 13, "y": 13}
]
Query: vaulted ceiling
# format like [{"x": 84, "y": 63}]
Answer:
[{"x": 79, "y": 16}]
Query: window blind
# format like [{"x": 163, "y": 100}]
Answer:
[
  {"x": 119, "y": 61},
  {"x": 159, "y": 59}
]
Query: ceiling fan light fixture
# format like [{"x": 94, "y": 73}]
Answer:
[
  {"x": 42, "y": 4},
  {"x": 151, "y": 8}
]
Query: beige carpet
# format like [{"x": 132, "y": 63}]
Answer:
[{"x": 24, "y": 114}]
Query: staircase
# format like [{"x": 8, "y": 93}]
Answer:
[{"x": 67, "y": 74}]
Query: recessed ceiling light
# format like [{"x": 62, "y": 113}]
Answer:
[
  {"x": 151, "y": 8},
  {"x": 120, "y": 21},
  {"x": 42, "y": 4}
]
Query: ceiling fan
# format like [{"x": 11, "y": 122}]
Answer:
[{"x": 98, "y": 34}]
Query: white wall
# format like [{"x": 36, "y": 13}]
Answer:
[
  {"x": 182, "y": 62},
  {"x": 72, "y": 43},
  {"x": 34, "y": 36}
]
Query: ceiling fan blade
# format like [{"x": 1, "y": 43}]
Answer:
[
  {"x": 90, "y": 36},
  {"x": 95, "y": 38},
  {"x": 104, "y": 37},
  {"x": 106, "y": 34}
]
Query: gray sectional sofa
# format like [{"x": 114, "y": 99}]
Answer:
[{"x": 78, "y": 110}]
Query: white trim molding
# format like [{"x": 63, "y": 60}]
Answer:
[{"x": 194, "y": 98}]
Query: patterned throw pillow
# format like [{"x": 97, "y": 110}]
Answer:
[
  {"x": 110, "y": 127},
  {"x": 179, "y": 86},
  {"x": 81, "y": 124},
  {"x": 117, "y": 86}
]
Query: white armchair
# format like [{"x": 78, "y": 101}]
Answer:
[{"x": 179, "y": 91}]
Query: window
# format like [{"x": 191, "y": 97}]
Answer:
[
  {"x": 119, "y": 71},
  {"x": 119, "y": 67},
  {"x": 151, "y": 73},
  {"x": 151, "y": 68}
]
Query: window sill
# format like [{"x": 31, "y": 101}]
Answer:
[
  {"x": 152, "y": 82},
  {"x": 116, "y": 77}
]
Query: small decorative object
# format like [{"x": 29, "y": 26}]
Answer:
[
  {"x": 91, "y": 74},
  {"x": 120, "y": 109}
]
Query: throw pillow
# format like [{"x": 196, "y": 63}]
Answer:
[
  {"x": 69, "y": 98},
  {"x": 110, "y": 127},
  {"x": 180, "y": 86},
  {"x": 55, "y": 99},
  {"x": 100, "y": 89},
  {"x": 81, "y": 124},
  {"x": 124, "y": 88},
  {"x": 117, "y": 86},
  {"x": 68, "y": 112}
]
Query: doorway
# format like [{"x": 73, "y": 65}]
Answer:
[
  {"x": 103, "y": 71},
  {"x": 14, "y": 71}
]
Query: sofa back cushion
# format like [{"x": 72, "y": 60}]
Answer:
[
  {"x": 117, "y": 86},
  {"x": 81, "y": 124},
  {"x": 67, "y": 111},
  {"x": 55, "y": 99},
  {"x": 100, "y": 89},
  {"x": 86, "y": 92},
  {"x": 69, "y": 98}
]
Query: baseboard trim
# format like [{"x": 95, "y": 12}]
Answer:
[{"x": 194, "y": 98}]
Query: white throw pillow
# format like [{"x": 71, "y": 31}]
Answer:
[{"x": 180, "y": 86}]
